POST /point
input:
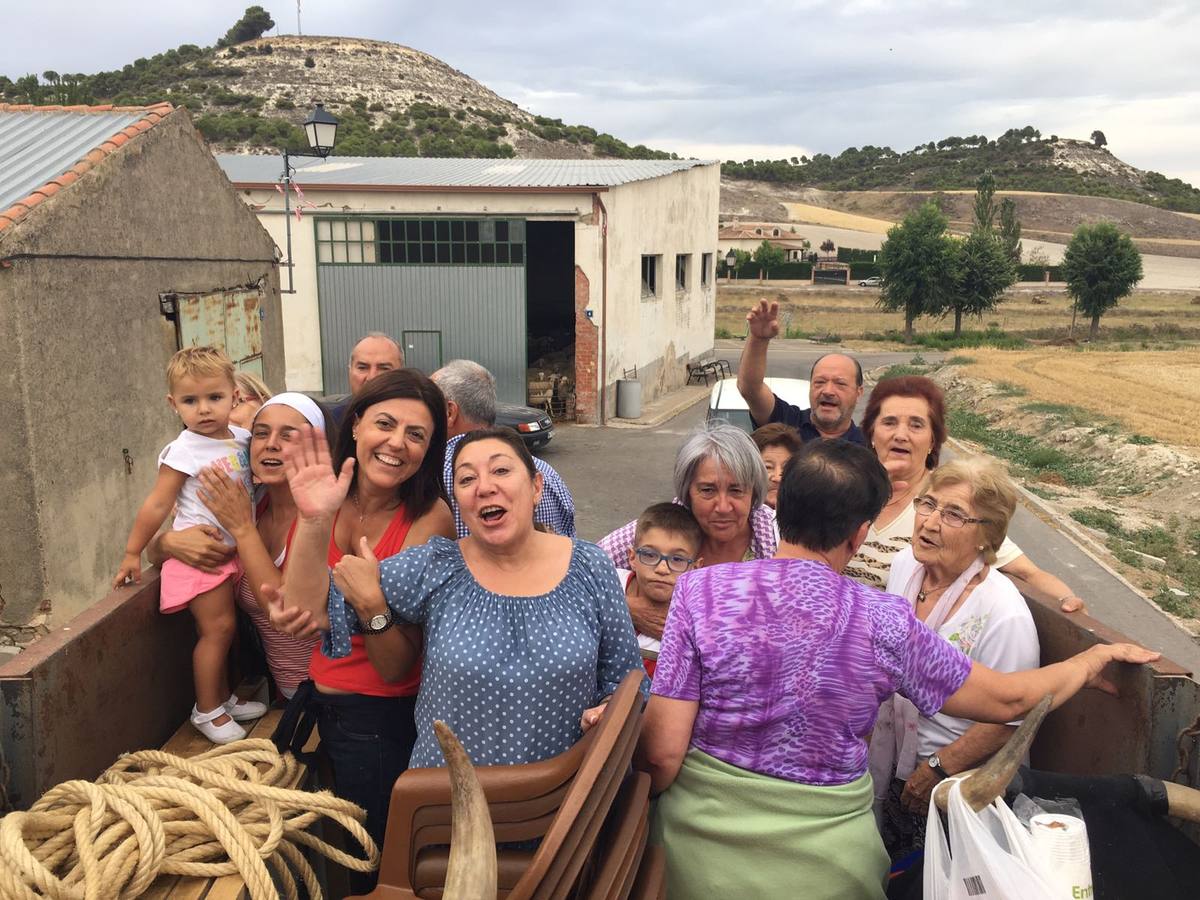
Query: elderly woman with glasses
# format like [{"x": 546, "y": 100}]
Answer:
[
  {"x": 720, "y": 477},
  {"x": 949, "y": 577}
]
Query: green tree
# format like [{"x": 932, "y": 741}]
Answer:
[
  {"x": 769, "y": 257},
  {"x": 1010, "y": 230},
  {"x": 985, "y": 205},
  {"x": 828, "y": 246},
  {"x": 1101, "y": 265},
  {"x": 918, "y": 263},
  {"x": 253, "y": 24},
  {"x": 1098, "y": 139},
  {"x": 983, "y": 271}
]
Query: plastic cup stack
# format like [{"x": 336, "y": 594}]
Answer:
[{"x": 1062, "y": 844}]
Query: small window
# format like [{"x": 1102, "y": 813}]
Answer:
[
  {"x": 649, "y": 277},
  {"x": 683, "y": 262},
  {"x": 706, "y": 264}
]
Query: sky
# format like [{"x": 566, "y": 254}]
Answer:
[{"x": 755, "y": 79}]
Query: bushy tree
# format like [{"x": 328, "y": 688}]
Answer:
[
  {"x": 828, "y": 246},
  {"x": 983, "y": 271},
  {"x": 918, "y": 263},
  {"x": 253, "y": 24},
  {"x": 1101, "y": 265},
  {"x": 1010, "y": 230},
  {"x": 985, "y": 206},
  {"x": 769, "y": 257},
  {"x": 1098, "y": 139}
]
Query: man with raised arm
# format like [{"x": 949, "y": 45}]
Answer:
[{"x": 835, "y": 385}]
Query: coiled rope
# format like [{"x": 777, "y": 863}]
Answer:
[{"x": 154, "y": 813}]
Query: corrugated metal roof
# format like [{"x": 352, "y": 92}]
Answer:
[
  {"x": 38, "y": 146},
  {"x": 457, "y": 173}
]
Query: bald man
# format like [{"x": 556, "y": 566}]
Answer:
[
  {"x": 373, "y": 355},
  {"x": 835, "y": 386}
]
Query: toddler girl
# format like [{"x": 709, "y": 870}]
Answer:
[{"x": 201, "y": 385}]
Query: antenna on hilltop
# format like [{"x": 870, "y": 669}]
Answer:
[{"x": 298, "y": 29}]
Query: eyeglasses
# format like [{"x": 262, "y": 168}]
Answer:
[
  {"x": 925, "y": 506},
  {"x": 650, "y": 558}
]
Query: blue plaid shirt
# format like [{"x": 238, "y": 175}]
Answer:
[{"x": 555, "y": 510}]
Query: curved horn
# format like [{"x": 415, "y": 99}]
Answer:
[
  {"x": 471, "y": 869},
  {"x": 983, "y": 785}
]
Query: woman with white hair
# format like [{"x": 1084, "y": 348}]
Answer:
[{"x": 720, "y": 477}]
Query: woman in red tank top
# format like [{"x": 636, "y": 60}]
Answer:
[{"x": 394, "y": 437}]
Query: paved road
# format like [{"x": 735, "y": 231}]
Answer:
[{"x": 616, "y": 472}]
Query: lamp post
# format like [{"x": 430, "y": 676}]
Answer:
[
  {"x": 321, "y": 130},
  {"x": 730, "y": 262}
]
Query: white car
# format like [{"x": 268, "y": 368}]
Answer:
[
  {"x": 724, "y": 402},
  {"x": 873, "y": 281}
]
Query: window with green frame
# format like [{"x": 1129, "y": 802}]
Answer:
[{"x": 419, "y": 241}]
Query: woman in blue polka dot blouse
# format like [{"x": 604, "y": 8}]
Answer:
[{"x": 526, "y": 633}]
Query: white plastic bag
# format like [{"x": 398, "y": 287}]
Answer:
[{"x": 989, "y": 855}]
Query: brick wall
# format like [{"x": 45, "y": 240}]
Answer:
[{"x": 587, "y": 352}]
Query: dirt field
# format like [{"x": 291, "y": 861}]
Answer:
[
  {"x": 851, "y": 312},
  {"x": 1155, "y": 393}
]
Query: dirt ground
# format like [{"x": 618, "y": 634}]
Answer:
[
  {"x": 1154, "y": 393},
  {"x": 1037, "y": 311}
]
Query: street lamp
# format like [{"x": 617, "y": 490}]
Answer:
[
  {"x": 321, "y": 130},
  {"x": 730, "y": 262}
]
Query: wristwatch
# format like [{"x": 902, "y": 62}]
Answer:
[
  {"x": 934, "y": 763},
  {"x": 378, "y": 624}
]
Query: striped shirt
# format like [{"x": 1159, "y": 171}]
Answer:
[{"x": 556, "y": 509}]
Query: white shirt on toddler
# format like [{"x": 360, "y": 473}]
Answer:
[{"x": 189, "y": 453}]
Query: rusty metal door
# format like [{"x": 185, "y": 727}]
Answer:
[{"x": 230, "y": 320}]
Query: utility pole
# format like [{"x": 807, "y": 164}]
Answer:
[{"x": 298, "y": 29}]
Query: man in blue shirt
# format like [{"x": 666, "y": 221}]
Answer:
[
  {"x": 470, "y": 392},
  {"x": 835, "y": 386}
]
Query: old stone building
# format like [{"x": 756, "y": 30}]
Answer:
[{"x": 120, "y": 241}]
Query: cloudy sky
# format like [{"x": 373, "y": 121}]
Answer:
[{"x": 736, "y": 80}]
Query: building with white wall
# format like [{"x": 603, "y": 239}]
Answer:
[{"x": 589, "y": 268}]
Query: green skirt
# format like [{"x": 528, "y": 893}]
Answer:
[{"x": 732, "y": 833}]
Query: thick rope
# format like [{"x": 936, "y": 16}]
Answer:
[{"x": 153, "y": 813}]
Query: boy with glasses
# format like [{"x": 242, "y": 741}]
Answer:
[{"x": 666, "y": 544}]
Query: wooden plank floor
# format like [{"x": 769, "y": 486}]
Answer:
[{"x": 187, "y": 741}]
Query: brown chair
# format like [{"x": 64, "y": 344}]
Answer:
[{"x": 563, "y": 800}]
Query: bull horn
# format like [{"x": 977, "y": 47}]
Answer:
[
  {"x": 471, "y": 869},
  {"x": 1183, "y": 802},
  {"x": 983, "y": 785}
]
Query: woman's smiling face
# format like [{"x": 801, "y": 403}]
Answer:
[
  {"x": 391, "y": 439},
  {"x": 274, "y": 427},
  {"x": 496, "y": 495}
]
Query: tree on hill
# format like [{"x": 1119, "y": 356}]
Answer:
[
  {"x": 769, "y": 257},
  {"x": 918, "y": 263},
  {"x": 253, "y": 24},
  {"x": 1010, "y": 230},
  {"x": 1101, "y": 265},
  {"x": 1098, "y": 139},
  {"x": 985, "y": 206}
]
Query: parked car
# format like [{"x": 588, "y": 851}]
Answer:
[
  {"x": 873, "y": 281},
  {"x": 724, "y": 401},
  {"x": 534, "y": 426}
]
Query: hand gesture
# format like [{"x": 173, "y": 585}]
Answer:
[
  {"x": 763, "y": 320},
  {"x": 226, "y": 499},
  {"x": 591, "y": 716},
  {"x": 357, "y": 577},
  {"x": 288, "y": 619},
  {"x": 130, "y": 571},
  {"x": 318, "y": 492}
]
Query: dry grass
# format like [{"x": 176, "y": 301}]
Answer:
[
  {"x": 820, "y": 215},
  {"x": 1156, "y": 393},
  {"x": 851, "y": 312}
]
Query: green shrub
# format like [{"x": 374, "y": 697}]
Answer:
[{"x": 1101, "y": 519}]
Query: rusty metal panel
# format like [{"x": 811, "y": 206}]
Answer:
[
  {"x": 117, "y": 677},
  {"x": 230, "y": 320},
  {"x": 479, "y": 310}
]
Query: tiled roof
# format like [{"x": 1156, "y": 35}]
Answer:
[
  {"x": 749, "y": 234},
  {"x": 44, "y": 149},
  {"x": 375, "y": 173}
]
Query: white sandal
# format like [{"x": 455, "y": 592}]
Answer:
[
  {"x": 219, "y": 734},
  {"x": 244, "y": 710}
]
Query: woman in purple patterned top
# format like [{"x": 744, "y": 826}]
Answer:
[
  {"x": 720, "y": 477},
  {"x": 768, "y": 682}
]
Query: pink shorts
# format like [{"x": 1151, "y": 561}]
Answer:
[{"x": 180, "y": 583}]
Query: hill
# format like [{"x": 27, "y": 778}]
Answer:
[
  {"x": 392, "y": 100},
  {"x": 1020, "y": 159}
]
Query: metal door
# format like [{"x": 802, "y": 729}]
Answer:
[
  {"x": 228, "y": 320},
  {"x": 422, "y": 350}
]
